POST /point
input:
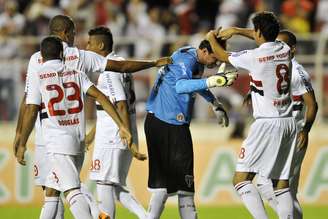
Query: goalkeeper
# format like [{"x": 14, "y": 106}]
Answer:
[{"x": 167, "y": 131}]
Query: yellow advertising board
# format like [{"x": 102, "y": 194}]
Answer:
[{"x": 215, "y": 157}]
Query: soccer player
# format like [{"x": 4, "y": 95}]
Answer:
[
  {"x": 61, "y": 92},
  {"x": 168, "y": 137},
  {"x": 64, "y": 27},
  {"x": 305, "y": 109},
  {"x": 111, "y": 158},
  {"x": 268, "y": 150}
]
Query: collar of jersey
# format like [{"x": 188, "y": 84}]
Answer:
[{"x": 267, "y": 44}]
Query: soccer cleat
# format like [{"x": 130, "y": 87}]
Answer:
[{"x": 102, "y": 215}]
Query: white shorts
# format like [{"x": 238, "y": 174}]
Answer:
[
  {"x": 269, "y": 148},
  {"x": 41, "y": 165},
  {"x": 64, "y": 171},
  {"x": 110, "y": 165}
]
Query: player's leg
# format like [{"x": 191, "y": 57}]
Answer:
[
  {"x": 51, "y": 202},
  {"x": 106, "y": 198},
  {"x": 157, "y": 203},
  {"x": 294, "y": 181},
  {"x": 187, "y": 207},
  {"x": 284, "y": 199},
  {"x": 129, "y": 202},
  {"x": 248, "y": 193},
  {"x": 92, "y": 202},
  {"x": 265, "y": 187}
]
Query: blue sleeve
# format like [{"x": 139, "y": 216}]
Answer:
[
  {"x": 207, "y": 95},
  {"x": 189, "y": 86}
]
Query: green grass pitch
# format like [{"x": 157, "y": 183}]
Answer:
[{"x": 170, "y": 212}]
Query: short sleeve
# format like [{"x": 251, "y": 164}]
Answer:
[
  {"x": 85, "y": 82},
  {"x": 32, "y": 69},
  {"x": 242, "y": 59},
  {"x": 114, "y": 85},
  {"x": 301, "y": 82},
  {"x": 33, "y": 93},
  {"x": 93, "y": 62}
]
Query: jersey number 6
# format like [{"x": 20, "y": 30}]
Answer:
[{"x": 76, "y": 96}]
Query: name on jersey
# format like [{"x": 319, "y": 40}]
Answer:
[
  {"x": 71, "y": 58},
  {"x": 281, "y": 102},
  {"x": 54, "y": 74},
  {"x": 269, "y": 58},
  {"x": 68, "y": 122}
]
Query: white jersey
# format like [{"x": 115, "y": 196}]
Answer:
[
  {"x": 301, "y": 84},
  {"x": 117, "y": 87},
  {"x": 61, "y": 90},
  {"x": 85, "y": 61},
  {"x": 268, "y": 67}
]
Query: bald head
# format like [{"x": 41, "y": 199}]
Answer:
[{"x": 63, "y": 27}]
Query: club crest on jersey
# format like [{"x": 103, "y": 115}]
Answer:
[
  {"x": 189, "y": 180},
  {"x": 180, "y": 117}
]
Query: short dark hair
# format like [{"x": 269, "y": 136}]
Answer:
[
  {"x": 105, "y": 35},
  {"x": 268, "y": 25},
  {"x": 206, "y": 44},
  {"x": 60, "y": 23},
  {"x": 291, "y": 38},
  {"x": 51, "y": 47}
]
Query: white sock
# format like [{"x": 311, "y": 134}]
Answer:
[
  {"x": 91, "y": 201},
  {"x": 157, "y": 202},
  {"x": 78, "y": 205},
  {"x": 187, "y": 207},
  {"x": 129, "y": 202},
  {"x": 49, "y": 208},
  {"x": 106, "y": 199},
  {"x": 266, "y": 190},
  {"x": 252, "y": 199},
  {"x": 285, "y": 203},
  {"x": 60, "y": 209}
]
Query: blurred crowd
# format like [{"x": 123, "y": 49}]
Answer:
[{"x": 145, "y": 23}]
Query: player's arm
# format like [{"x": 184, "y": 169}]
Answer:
[
  {"x": 310, "y": 115},
  {"x": 22, "y": 109},
  {"x": 229, "y": 32},
  {"x": 219, "y": 52},
  {"x": 130, "y": 66},
  {"x": 28, "y": 122},
  {"x": 110, "y": 110},
  {"x": 90, "y": 137}
]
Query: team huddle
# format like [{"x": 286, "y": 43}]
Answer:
[{"x": 57, "y": 82}]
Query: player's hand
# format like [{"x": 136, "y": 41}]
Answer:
[
  {"x": 210, "y": 34},
  {"x": 226, "y": 33},
  {"x": 221, "y": 80},
  {"x": 220, "y": 114},
  {"x": 163, "y": 61},
  {"x": 302, "y": 139},
  {"x": 125, "y": 135},
  {"x": 135, "y": 152},
  {"x": 20, "y": 152}
]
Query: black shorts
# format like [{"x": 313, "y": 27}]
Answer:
[{"x": 171, "y": 157}]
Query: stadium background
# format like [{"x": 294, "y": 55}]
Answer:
[{"x": 149, "y": 29}]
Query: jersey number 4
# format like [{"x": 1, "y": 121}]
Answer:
[
  {"x": 283, "y": 83},
  {"x": 76, "y": 96}
]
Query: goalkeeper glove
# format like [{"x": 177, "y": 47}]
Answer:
[{"x": 220, "y": 113}]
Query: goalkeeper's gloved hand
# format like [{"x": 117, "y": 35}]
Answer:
[
  {"x": 220, "y": 113},
  {"x": 222, "y": 78}
]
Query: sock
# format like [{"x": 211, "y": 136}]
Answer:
[
  {"x": 264, "y": 186},
  {"x": 129, "y": 202},
  {"x": 60, "y": 209},
  {"x": 49, "y": 208},
  {"x": 157, "y": 202},
  {"x": 93, "y": 205},
  {"x": 106, "y": 199},
  {"x": 252, "y": 199},
  {"x": 285, "y": 203},
  {"x": 78, "y": 205},
  {"x": 187, "y": 207}
]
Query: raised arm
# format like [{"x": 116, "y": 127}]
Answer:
[
  {"x": 29, "y": 119},
  {"x": 219, "y": 52},
  {"x": 130, "y": 66},
  {"x": 229, "y": 32}
]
